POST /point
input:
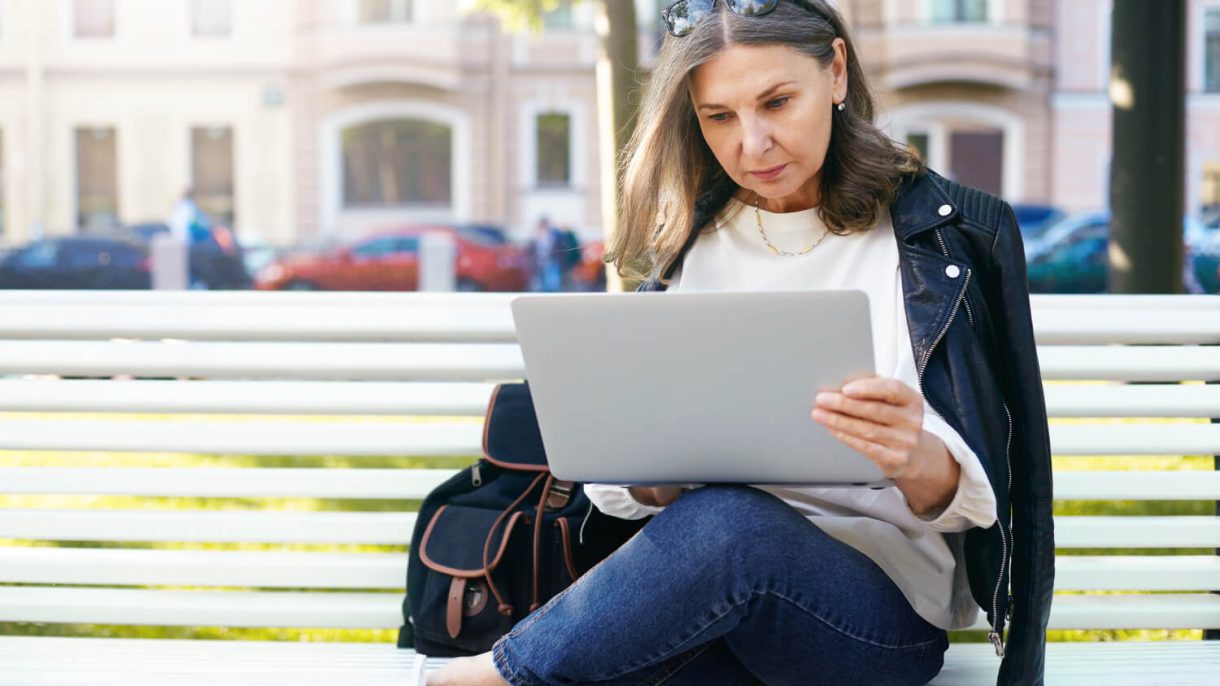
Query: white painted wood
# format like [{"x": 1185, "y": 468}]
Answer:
[
  {"x": 1141, "y": 485},
  {"x": 1134, "y": 573},
  {"x": 256, "y": 437},
  {"x": 1110, "y": 303},
  {"x": 345, "y": 610},
  {"x": 248, "y": 397},
  {"x": 1151, "y": 326},
  {"x": 366, "y": 484},
  {"x": 256, "y": 298},
  {"x": 383, "y": 610},
  {"x": 136, "y": 662},
  {"x": 400, "y": 321},
  {"x": 262, "y": 526},
  {"x": 111, "y": 567},
  {"x": 1137, "y": 532},
  {"x": 453, "y": 438},
  {"x": 1121, "y": 363},
  {"x": 1133, "y": 401},
  {"x": 266, "y": 360},
  {"x": 1110, "y": 438}
]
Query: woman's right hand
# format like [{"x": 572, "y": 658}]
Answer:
[{"x": 655, "y": 496}]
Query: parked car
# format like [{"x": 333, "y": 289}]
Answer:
[
  {"x": 77, "y": 262},
  {"x": 1034, "y": 219},
  {"x": 389, "y": 261},
  {"x": 1072, "y": 256},
  {"x": 216, "y": 261},
  {"x": 590, "y": 273}
]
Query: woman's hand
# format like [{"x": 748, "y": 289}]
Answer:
[
  {"x": 883, "y": 420},
  {"x": 656, "y": 496}
]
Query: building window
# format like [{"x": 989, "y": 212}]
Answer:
[
  {"x": 93, "y": 18},
  {"x": 210, "y": 18},
  {"x": 97, "y": 187},
  {"x": 212, "y": 171},
  {"x": 1210, "y": 191},
  {"x": 386, "y": 11},
  {"x": 917, "y": 142},
  {"x": 959, "y": 11},
  {"x": 1211, "y": 50},
  {"x": 397, "y": 162},
  {"x": 554, "y": 146}
]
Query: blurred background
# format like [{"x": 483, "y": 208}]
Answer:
[{"x": 323, "y": 144}]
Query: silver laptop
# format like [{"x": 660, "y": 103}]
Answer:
[{"x": 652, "y": 388}]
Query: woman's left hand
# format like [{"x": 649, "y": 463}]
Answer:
[{"x": 882, "y": 418}]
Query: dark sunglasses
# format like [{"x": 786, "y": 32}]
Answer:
[{"x": 682, "y": 16}]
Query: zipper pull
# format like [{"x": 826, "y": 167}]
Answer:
[
  {"x": 999, "y": 644},
  {"x": 476, "y": 478}
]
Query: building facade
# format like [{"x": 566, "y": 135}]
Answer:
[{"x": 312, "y": 121}]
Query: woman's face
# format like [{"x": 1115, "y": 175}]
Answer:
[{"x": 765, "y": 112}]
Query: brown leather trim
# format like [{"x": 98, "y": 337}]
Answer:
[
  {"x": 491, "y": 406},
  {"x": 560, "y": 496},
  {"x": 464, "y": 573},
  {"x": 566, "y": 536},
  {"x": 453, "y": 611}
]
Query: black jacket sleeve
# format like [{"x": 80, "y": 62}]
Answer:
[{"x": 1033, "y": 535}]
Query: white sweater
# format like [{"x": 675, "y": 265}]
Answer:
[{"x": 922, "y": 555}]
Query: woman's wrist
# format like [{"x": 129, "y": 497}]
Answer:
[{"x": 932, "y": 483}]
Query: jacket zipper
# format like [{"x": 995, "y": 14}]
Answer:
[{"x": 945, "y": 249}]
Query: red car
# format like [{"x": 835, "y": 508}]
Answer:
[{"x": 389, "y": 261}]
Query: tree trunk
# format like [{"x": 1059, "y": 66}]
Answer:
[{"x": 617, "y": 103}]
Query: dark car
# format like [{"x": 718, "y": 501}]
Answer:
[
  {"x": 215, "y": 256},
  {"x": 77, "y": 262},
  {"x": 389, "y": 261},
  {"x": 1034, "y": 219},
  {"x": 1072, "y": 256}
]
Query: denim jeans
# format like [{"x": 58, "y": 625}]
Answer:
[{"x": 729, "y": 585}]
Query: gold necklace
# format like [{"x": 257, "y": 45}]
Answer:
[{"x": 770, "y": 246}]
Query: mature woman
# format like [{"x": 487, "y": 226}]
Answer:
[{"x": 757, "y": 166}]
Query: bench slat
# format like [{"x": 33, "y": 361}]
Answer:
[
  {"x": 1152, "y": 326},
  {"x": 1137, "y": 532},
  {"x": 382, "y": 610},
  {"x": 1133, "y": 401},
  {"x": 1137, "y": 485},
  {"x": 442, "y": 439},
  {"x": 1135, "y": 573},
  {"x": 248, "y": 397},
  {"x": 369, "y": 484},
  {"x": 107, "y": 567},
  {"x": 288, "y": 322},
  {"x": 1156, "y": 363},
  {"x": 266, "y": 360},
  {"x": 394, "y": 484},
  {"x": 380, "y": 528},
  {"x": 246, "y": 438},
  {"x": 91, "y": 566},
  {"x": 1109, "y": 303}
]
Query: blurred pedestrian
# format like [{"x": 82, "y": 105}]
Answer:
[{"x": 545, "y": 249}]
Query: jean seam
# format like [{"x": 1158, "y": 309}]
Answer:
[
  {"x": 694, "y": 655},
  {"x": 510, "y": 675}
]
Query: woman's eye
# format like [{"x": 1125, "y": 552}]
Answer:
[
  {"x": 778, "y": 102},
  {"x": 720, "y": 116}
]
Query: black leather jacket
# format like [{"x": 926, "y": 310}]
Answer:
[{"x": 974, "y": 349}]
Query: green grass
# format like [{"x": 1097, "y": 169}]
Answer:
[{"x": 107, "y": 459}]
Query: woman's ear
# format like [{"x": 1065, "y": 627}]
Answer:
[{"x": 838, "y": 69}]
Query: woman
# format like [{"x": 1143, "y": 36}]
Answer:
[{"x": 756, "y": 166}]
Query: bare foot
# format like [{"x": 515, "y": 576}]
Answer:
[{"x": 479, "y": 670}]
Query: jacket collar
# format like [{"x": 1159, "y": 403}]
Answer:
[{"x": 917, "y": 207}]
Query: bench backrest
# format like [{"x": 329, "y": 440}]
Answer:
[{"x": 361, "y": 403}]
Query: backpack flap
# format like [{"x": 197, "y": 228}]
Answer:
[
  {"x": 511, "y": 438},
  {"x": 467, "y": 544}
]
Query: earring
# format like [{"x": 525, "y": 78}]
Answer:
[{"x": 841, "y": 106}]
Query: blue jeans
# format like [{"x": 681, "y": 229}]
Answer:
[{"x": 729, "y": 585}]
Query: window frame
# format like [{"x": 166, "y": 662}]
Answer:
[
  {"x": 72, "y": 28},
  {"x": 193, "y": 20},
  {"x": 995, "y": 15}
]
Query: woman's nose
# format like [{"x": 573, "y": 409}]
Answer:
[{"x": 755, "y": 139}]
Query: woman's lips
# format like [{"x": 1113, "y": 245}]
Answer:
[{"x": 768, "y": 174}]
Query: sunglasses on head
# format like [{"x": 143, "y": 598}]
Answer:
[{"x": 682, "y": 16}]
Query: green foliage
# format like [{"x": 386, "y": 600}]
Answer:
[{"x": 520, "y": 15}]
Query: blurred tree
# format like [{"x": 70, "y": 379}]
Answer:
[{"x": 618, "y": 82}]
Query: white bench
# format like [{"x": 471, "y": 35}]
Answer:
[{"x": 426, "y": 364}]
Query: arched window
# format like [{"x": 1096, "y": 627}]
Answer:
[{"x": 397, "y": 162}]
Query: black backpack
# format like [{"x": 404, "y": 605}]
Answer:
[{"x": 499, "y": 539}]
